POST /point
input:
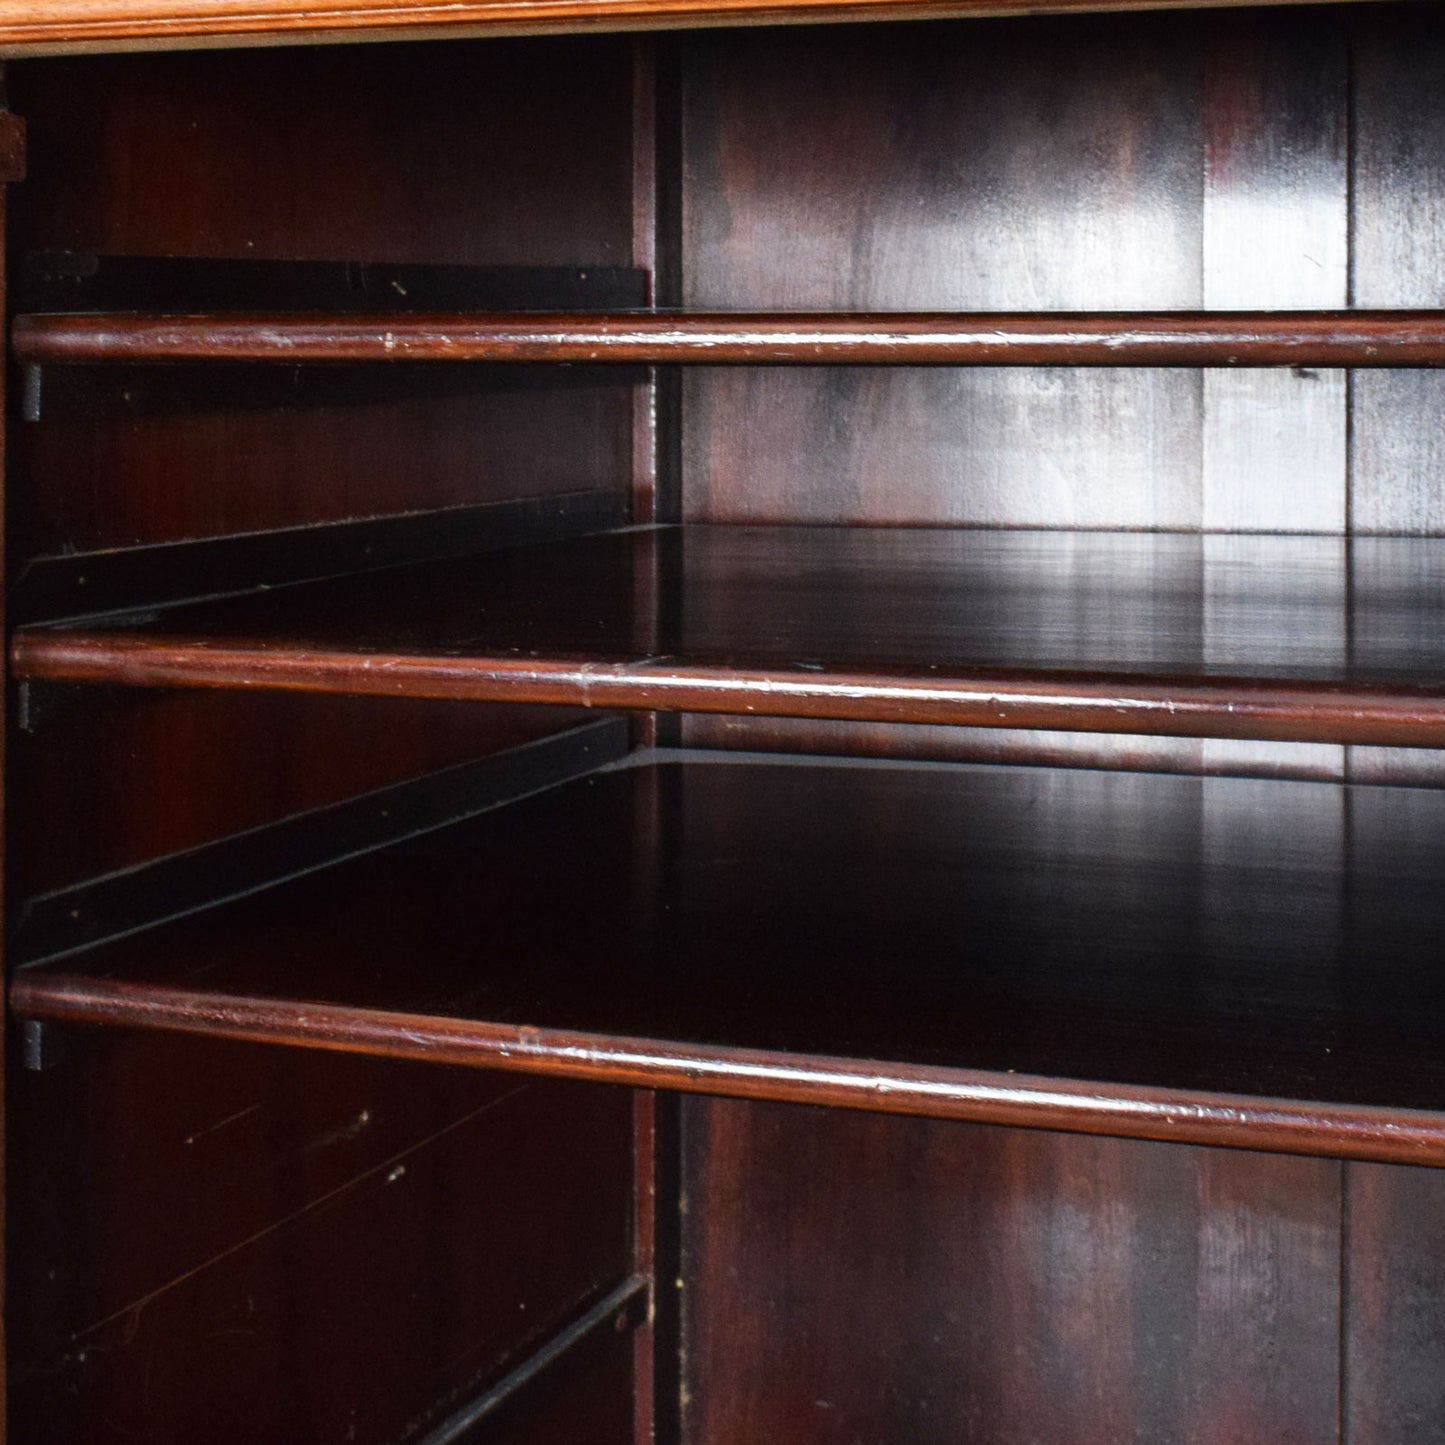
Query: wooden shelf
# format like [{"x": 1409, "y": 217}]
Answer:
[
  {"x": 1228, "y": 961},
  {"x": 1299, "y": 638},
  {"x": 1319, "y": 338}
]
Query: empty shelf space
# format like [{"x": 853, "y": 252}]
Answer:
[
  {"x": 1230, "y": 961},
  {"x": 1262, "y": 338},
  {"x": 1303, "y": 638}
]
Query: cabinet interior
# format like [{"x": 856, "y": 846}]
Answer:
[{"x": 573, "y": 877}]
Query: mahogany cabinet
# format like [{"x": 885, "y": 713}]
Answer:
[{"x": 724, "y": 731}]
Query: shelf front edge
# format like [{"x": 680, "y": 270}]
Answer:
[
  {"x": 1256, "y": 338},
  {"x": 1361, "y": 1132},
  {"x": 1164, "y": 705}
]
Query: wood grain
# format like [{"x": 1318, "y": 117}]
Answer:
[
  {"x": 1398, "y": 222},
  {"x": 45, "y": 25},
  {"x": 1054, "y": 949},
  {"x": 201, "y": 766},
  {"x": 1275, "y": 235},
  {"x": 346, "y": 154},
  {"x": 1033, "y": 165},
  {"x": 1393, "y": 1389},
  {"x": 1398, "y": 226},
  {"x": 1048, "y": 165},
  {"x": 214, "y": 1269},
  {"x": 981, "y": 1284}
]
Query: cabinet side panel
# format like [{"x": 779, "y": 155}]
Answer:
[
  {"x": 500, "y": 154},
  {"x": 11, "y": 158},
  {"x": 854, "y": 1277},
  {"x": 232, "y": 1243},
  {"x": 110, "y": 778}
]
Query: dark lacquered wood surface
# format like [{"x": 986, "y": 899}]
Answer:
[
  {"x": 238, "y": 1244},
  {"x": 1001, "y": 1287},
  {"x": 220, "y": 1243},
  {"x": 1393, "y": 1390},
  {"x": 1103, "y": 1289},
  {"x": 1057, "y": 163},
  {"x": 1339, "y": 338},
  {"x": 202, "y": 766},
  {"x": 325, "y": 155},
  {"x": 1250, "y": 637},
  {"x": 1192, "y": 959}
]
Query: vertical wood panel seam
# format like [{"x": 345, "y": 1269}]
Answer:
[{"x": 1343, "y": 1429}]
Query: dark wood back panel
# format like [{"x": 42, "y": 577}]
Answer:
[
  {"x": 1393, "y": 1390},
  {"x": 853, "y": 1278},
  {"x": 1089, "y": 164},
  {"x": 1047, "y": 165},
  {"x": 986, "y": 166}
]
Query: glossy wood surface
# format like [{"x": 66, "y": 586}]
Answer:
[
  {"x": 1001, "y": 1287},
  {"x": 1342, "y": 338},
  {"x": 46, "y": 25},
  {"x": 325, "y": 155},
  {"x": 202, "y": 766},
  {"x": 1174, "y": 163},
  {"x": 1247, "y": 637},
  {"x": 1392, "y": 1391},
  {"x": 1032, "y": 165},
  {"x": 1200, "y": 960},
  {"x": 225, "y": 1243},
  {"x": 240, "y": 1244},
  {"x": 245, "y": 863},
  {"x": 1170, "y": 162},
  {"x": 851, "y": 1277}
]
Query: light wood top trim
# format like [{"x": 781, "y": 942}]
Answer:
[{"x": 41, "y": 26}]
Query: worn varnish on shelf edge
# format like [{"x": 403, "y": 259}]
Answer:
[
  {"x": 803, "y": 338},
  {"x": 1177, "y": 706},
  {"x": 1119, "y": 1110}
]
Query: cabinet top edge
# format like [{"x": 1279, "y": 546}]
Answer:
[{"x": 47, "y": 27}]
